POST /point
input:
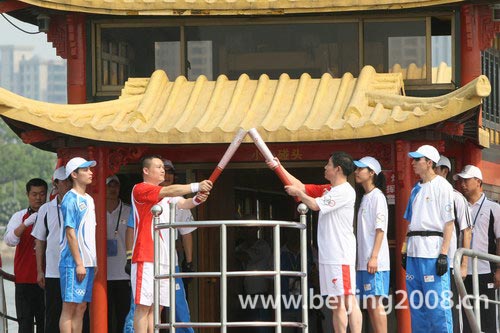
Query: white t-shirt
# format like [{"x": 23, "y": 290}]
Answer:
[
  {"x": 463, "y": 219},
  {"x": 116, "y": 256},
  {"x": 336, "y": 241},
  {"x": 372, "y": 215},
  {"x": 181, "y": 215},
  {"x": 432, "y": 208},
  {"x": 51, "y": 236},
  {"x": 480, "y": 230},
  {"x": 79, "y": 214}
]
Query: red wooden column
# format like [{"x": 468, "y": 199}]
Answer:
[
  {"x": 76, "y": 56},
  {"x": 470, "y": 54},
  {"x": 403, "y": 188},
  {"x": 99, "y": 305}
]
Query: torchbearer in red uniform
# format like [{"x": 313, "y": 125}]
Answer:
[
  {"x": 144, "y": 196},
  {"x": 29, "y": 295}
]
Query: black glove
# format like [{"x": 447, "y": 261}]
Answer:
[
  {"x": 403, "y": 260},
  {"x": 128, "y": 266},
  {"x": 442, "y": 264},
  {"x": 187, "y": 267}
]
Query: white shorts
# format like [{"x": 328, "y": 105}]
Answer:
[
  {"x": 142, "y": 279},
  {"x": 337, "y": 280}
]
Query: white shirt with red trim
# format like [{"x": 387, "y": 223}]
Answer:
[
  {"x": 372, "y": 215},
  {"x": 336, "y": 240}
]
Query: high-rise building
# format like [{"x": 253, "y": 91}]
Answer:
[
  {"x": 32, "y": 77},
  {"x": 10, "y": 57}
]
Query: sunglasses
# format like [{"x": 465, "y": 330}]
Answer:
[{"x": 416, "y": 159}]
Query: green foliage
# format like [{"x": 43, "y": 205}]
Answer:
[{"x": 18, "y": 164}]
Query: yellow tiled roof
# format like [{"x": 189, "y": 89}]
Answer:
[
  {"x": 227, "y": 7},
  {"x": 158, "y": 111}
]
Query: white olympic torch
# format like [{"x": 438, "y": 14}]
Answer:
[{"x": 261, "y": 145}]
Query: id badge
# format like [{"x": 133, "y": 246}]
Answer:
[{"x": 112, "y": 246}]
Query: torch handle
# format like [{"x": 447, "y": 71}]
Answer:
[{"x": 215, "y": 174}]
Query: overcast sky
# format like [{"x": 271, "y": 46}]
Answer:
[{"x": 12, "y": 36}]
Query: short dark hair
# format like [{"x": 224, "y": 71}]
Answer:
[
  {"x": 344, "y": 161},
  {"x": 36, "y": 182},
  {"x": 433, "y": 163},
  {"x": 146, "y": 160}
]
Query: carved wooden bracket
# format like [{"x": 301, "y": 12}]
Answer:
[
  {"x": 34, "y": 136},
  {"x": 12, "y": 5},
  {"x": 478, "y": 23},
  {"x": 453, "y": 128},
  {"x": 57, "y": 34},
  {"x": 121, "y": 156},
  {"x": 487, "y": 28},
  {"x": 383, "y": 152}
]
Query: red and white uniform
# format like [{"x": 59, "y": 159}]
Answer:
[
  {"x": 144, "y": 197},
  {"x": 336, "y": 240},
  {"x": 24, "y": 259}
]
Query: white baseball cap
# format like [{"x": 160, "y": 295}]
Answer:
[
  {"x": 112, "y": 178},
  {"x": 444, "y": 161},
  {"x": 426, "y": 151},
  {"x": 469, "y": 171},
  {"x": 369, "y": 162},
  {"x": 168, "y": 164},
  {"x": 59, "y": 174},
  {"x": 78, "y": 162}
]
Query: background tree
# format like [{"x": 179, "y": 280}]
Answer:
[{"x": 19, "y": 163}]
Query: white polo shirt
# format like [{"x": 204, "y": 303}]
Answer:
[
  {"x": 336, "y": 240},
  {"x": 116, "y": 254},
  {"x": 480, "y": 213},
  {"x": 463, "y": 220},
  {"x": 181, "y": 215},
  {"x": 372, "y": 215},
  {"x": 432, "y": 208},
  {"x": 50, "y": 234}
]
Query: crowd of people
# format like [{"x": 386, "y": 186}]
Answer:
[
  {"x": 439, "y": 219},
  {"x": 55, "y": 261}
]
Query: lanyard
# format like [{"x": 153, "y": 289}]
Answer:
[
  {"x": 58, "y": 214},
  {"x": 478, "y": 211},
  {"x": 475, "y": 219},
  {"x": 118, "y": 219}
]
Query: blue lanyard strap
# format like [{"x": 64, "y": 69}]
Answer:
[{"x": 475, "y": 220}]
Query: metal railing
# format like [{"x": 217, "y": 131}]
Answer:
[
  {"x": 4, "y": 317},
  {"x": 223, "y": 274},
  {"x": 474, "y": 317}
]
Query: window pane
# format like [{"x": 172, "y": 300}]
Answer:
[
  {"x": 137, "y": 52},
  {"x": 441, "y": 49},
  {"x": 397, "y": 46},
  {"x": 272, "y": 49}
]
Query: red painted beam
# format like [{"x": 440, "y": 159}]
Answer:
[
  {"x": 34, "y": 136},
  {"x": 12, "y": 5},
  {"x": 76, "y": 58}
]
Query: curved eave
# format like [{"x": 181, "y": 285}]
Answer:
[
  {"x": 229, "y": 7},
  {"x": 157, "y": 111}
]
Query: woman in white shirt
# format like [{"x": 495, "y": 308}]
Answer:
[{"x": 373, "y": 264}]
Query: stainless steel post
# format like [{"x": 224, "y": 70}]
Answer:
[
  {"x": 475, "y": 292},
  {"x": 172, "y": 261},
  {"x": 277, "y": 277},
  {"x": 223, "y": 278},
  {"x": 302, "y": 209},
  {"x": 156, "y": 210}
]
